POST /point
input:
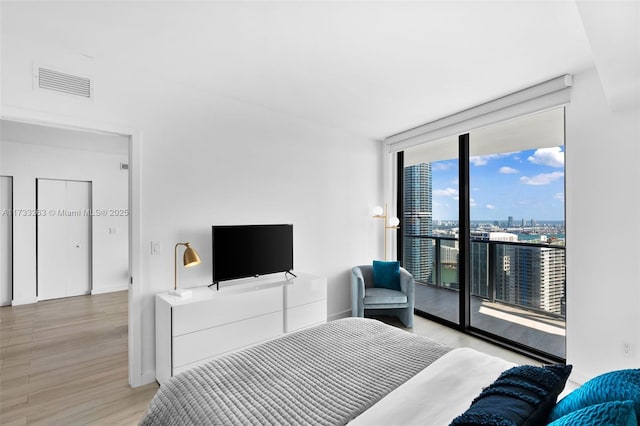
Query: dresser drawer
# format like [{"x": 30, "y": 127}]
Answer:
[
  {"x": 224, "y": 309},
  {"x": 305, "y": 316},
  {"x": 302, "y": 292},
  {"x": 193, "y": 347}
]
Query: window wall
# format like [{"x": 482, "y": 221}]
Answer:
[
  {"x": 430, "y": 225},
  {"x": 505, "y": 277}
]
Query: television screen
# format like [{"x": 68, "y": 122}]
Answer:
[{"x": 242, "y": 251}]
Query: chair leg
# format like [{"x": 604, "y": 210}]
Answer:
[{"x": 406, "y": 317}]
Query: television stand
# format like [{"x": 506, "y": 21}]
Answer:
[{"x": 189, "y": 332}]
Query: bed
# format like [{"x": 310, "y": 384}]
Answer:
[{"x": 351, "y": 371}]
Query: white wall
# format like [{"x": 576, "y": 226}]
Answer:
[
  {"x": 603, "y": 229},
  {"x": 26, "y": 162},
  {"x": 207, "y": 159},
  {"x": 251, "y": 165}
]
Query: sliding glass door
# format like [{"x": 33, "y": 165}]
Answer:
[
  {"x": 516, "y": 178},
  {"x": 505, "y": 277},
  {"x": 430, "y": 226}
]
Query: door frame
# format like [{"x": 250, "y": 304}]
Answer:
[
  {"x": 11, "y": 242},
  {"x": 136, "y": 376}
]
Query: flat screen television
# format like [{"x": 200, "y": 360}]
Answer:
[{"x": 241, "y": 251}]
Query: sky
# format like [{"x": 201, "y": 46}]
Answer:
[{"x": 526, "y": 185}]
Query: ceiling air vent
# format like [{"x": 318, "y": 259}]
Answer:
[{"x": 46, "y": 78}]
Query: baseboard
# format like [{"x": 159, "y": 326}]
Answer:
[
  {"x": 343, "y": 314},
  {"x": 145, "y": 379},
  {"x": 109, "y": 289},
  {"x": 17, "y": 302}
]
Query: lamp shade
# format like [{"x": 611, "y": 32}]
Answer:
[
  {"x": 378, "y": 211},
  {"x": 394, "y": 221},
  {"x": 190, "y": 257}
]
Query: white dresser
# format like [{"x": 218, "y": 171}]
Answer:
[{"x": 192, "y": 331}]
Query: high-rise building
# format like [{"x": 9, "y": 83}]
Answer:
[
  {"x": 510, "y": 222},
  {"x": 531, "y": 276},
  {"x": 418, "y": 220},
  {"x": 479, "y": 274}
]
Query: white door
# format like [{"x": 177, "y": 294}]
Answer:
[
  {"x": 64, "y": 238},
  {"x": 78, "y": 239},
  {"x": 6, "y": 240}
]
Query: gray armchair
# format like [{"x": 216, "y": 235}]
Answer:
[{"x": 382, "y": 301}]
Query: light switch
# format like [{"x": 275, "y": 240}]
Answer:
[{"x": 155, "y": 248}]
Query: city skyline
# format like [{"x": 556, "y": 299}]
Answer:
[
  {"x": 525, "y": 185},
  {"x": 525, "y": 273}
]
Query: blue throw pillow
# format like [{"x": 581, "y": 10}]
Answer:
[
  {"x": 620, "y": 385},
  {"x": 615, "y": 413},
  {"x": 386, "y": 274},
  {"x": 521, "y": 396}
]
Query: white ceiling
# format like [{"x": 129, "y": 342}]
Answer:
[
  {"x": 12, "y": 131},
  {"x": 375, "y": 68}
]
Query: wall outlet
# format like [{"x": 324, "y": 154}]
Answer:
[
  {"x": 627, "y": 349},
  {"x": 155, "y": 248}
]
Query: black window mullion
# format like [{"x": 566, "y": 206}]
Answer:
[
  {"x": 464, "y": 237},
  {"x": 400, "y": 207}
]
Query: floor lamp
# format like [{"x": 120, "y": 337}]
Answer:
[{"x": 393, "y": 223}]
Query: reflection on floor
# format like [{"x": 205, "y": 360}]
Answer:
[{"x": 527, "y": 327}]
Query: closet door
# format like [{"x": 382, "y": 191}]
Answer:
[
  {"x": 78, "y": 238},
  {"x": 6, "y": 239},
  {"x": 64, "y": 238}
]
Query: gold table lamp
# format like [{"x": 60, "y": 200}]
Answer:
[{"x": 190, "y": 258}]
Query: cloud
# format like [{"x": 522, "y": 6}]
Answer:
[
  {"x": 490, "y": 206},
  {"x": 472, "y": 202},
  {"x": 541, "y": 179},
  {"x": 508, "y": 170},
  {"x": 440, "y": 166},
  {"x": 449, "y": 192},
  {"x": 483, "y": 160},
  {"x": 552, "y": 157},
  {"x": 559, "y": 196}
]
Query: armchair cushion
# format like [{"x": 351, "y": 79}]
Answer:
[
  {"x": 380, "y": 296},
  {"x": 386, "y": 274}
]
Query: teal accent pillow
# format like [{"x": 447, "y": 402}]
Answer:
[
  {"x": 520, "y": 396},
  {"x": 386, "y": 274},
  {"x": 620, "y": 385},
  {"x": 615, "y": 413}
]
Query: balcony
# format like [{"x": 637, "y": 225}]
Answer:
[{"x": 517, "y": 289}]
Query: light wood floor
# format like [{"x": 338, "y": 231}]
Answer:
[{"x": 64, "y": 362}]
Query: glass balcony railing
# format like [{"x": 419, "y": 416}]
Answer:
[{"x": 518, "y": 274}]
